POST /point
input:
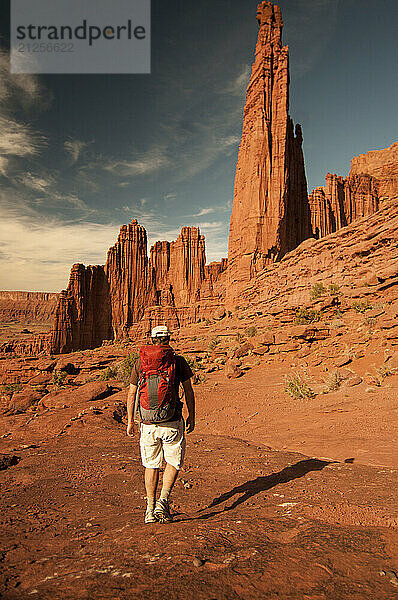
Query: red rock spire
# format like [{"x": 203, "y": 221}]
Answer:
[{"x": 270, "y": 214}]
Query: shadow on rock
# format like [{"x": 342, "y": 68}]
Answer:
[{"x": 261, "y": 484}]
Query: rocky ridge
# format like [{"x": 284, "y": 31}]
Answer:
[{"x": 132, "y": 292}]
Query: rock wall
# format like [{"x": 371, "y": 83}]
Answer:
[
  {"x": 383, "y": 166},
  {"x": 83, "y": 314},
  {"x": 271, "y": 213},
  {"x": 128, "y": 275},
  {"x": 27, "y": 307},
  {"x": 342, "y": 201},
  {"x": 131, "y": 293},
  {"x": 372, "y": 180}
]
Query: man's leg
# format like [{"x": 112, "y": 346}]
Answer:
[
  {"x": 152, "y": 456},
  {"x": 170, "y": 475},
  {"x": 173, "y": 450},
  {"x": 151, "y": 484}
]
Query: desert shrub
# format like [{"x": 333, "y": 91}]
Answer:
[
  {"x": 370, "y": 322},
  {"x": 59, "y": 377},
  {"x": 333, "y": 382},
  {"x": 239, "y": 337},
  {"x": 361, "y": 306},
  {"x": 334, "y": 289},
  {"x": 10, "y": 388},
  {"x": 251, "y": 331},
  {"x": 383, "y": 372},
  {"x": 126, "y": 366},
  {"x": 214, "y": 342},
  {"x": 199, "y": 378},
  {"x": 303, "y": 316},
  {"x": 207, "y": 322},
  {"x": 297, "y": 387},
  {"x": 108, "y": 373},
  {"x": 192, "y": 362},
  {"x": 317, "y": 290}
]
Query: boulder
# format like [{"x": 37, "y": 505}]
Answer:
[
  {"x": 23, "y": 400},
  {"x": 243, "y": 350},
  {"x": 90, "y": 392},
  {"x": 232, "y": 368}
]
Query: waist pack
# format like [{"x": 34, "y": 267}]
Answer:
[{"x": 156, "y": 396}]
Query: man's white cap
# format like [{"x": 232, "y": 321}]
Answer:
[{"x": 160, "y": 331}]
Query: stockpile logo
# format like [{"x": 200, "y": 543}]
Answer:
[{"x": 80, "y": 36}]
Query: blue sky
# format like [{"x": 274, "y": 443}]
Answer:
[{"x": 82, "y": 154}]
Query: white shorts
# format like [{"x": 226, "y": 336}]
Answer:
[{"x": 162, "y": 441}]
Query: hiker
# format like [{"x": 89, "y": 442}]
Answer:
[{"x": 154, "y": 396}]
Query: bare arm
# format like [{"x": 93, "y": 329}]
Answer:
[
  {"x": 190, "y": 400},
  {"x": 130, "y": 409}
]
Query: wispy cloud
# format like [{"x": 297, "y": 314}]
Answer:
[
  {"x": 36, "y": 182},
  {"x": 74, "y": 148},
  {"x": 153, "y": 160},
  {"x": 38, "y": 256},
  {"x": 204, "y": 211},
  {"x": 21, "y": 90},
  {"x": 17, "y": 140},
  {"x": 238, "y": 85}
]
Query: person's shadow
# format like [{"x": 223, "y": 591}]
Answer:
[{"x": 261, "y": 484}]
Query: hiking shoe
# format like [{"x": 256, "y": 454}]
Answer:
[
  {"x": 162, "y": 511},
  {"x": 150, "y": 517}
]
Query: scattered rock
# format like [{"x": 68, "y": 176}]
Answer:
[
  {"x": 23, "y": 400},
  {"x": 89, "y": 392},
  {"x": 198, "y": 562},
  {"x": 66, "y": 366},
  {"x": 243, "y": 350},
  {"x": 340, "y": 361},
  {"x": 219, "y": 313},
  {"x": 8, "y": 461},
  {"x": 354, "y": 380},
  {"x": 232, "y": 368}
]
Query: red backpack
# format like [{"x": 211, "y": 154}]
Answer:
[{"x": 156, "y": 395}]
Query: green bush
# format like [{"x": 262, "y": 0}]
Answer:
[
  {"x": 59, "y": 377},
  {"x": 361, "y": 306},
  {"x": 297, "y": 387},
  {"x": 303, "y": 316},
  {"x": 251, "y": 331},
  {"x": 333, "y": 382},
  {"x": 214, "y": 342},
  {"x": 199, "y": 378},
  {"x": 192, "y": 362},
  {"x": 10, "y": 388},
  {"x": 317, "y": 290},
  {"x": 126, "y": 366},
  {"x": 334, "y": 289},
  {"x": 108, "y": 373}
]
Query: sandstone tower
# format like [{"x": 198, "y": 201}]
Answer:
[{"x": 270, "y": 214}]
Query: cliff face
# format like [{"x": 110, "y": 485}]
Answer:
[
  {"x": 179, "y": 268},
  {"x": 342, "y": 201},
  {"x": 83, "y": 314},
  {"x": 372, "y": 180},
  {"x": 270, "y": 214},
  {"x": 132, "y": 293},
  {"x": 383, "y": 166},
  {"x": 27, "y": 307},
  {"x": 128, "y": 277}
]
